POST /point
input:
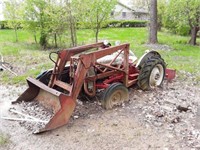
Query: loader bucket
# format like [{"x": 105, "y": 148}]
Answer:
[{"x": 62, "y": 105}]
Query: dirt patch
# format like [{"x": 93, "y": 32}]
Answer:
[
  {"x": 158, "y": 47},
  {"x": 166, "y": 118}
]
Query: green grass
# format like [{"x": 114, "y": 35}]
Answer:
[
  {"x": 183, "y": 56},
  {"x": 27, "y": 58},
  {"x": 135, "y": 36},
  {"x": 3, "y": 139}
]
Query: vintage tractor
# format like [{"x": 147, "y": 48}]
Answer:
[{"x": 88, "y": 70}]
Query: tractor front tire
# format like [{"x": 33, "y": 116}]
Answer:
[
  {"x": 114, "y": 95},
  {"x": 152, "y": 73}
]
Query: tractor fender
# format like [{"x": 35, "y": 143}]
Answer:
[{"x": 145, "y": 56}]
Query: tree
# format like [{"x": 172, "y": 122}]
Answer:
[
  {"x": 35, "y": 12},
  {"x": 54, "y": 19},
  {"x": 57, "y": 19},
  {"x": 184, "y": 13},
  {"x": 153, "y": 22},
  {"x": 31, "y": 26},
  {"x": 12, "y": 12},
  {"x": 73, "y": 11},
  {"x": 161, "y": 12},
  {"x": 96, "y": 14},
  {"x": 48, "y": 17}
]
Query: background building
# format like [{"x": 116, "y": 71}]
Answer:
[{"x": 129, "y": 10}]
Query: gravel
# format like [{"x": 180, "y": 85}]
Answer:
[
  {"x": 164, "y": 118},
  {"x": 174, "y": 108},
  {"x": 38, "y": 115},
  {"x": 158, "y": 47}
]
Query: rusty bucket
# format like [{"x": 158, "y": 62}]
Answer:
[{"x": 61, "y": 104}]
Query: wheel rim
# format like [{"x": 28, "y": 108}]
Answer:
[
  {"x": 117, "y": 98},
  {"x": 156, "y": 76}
]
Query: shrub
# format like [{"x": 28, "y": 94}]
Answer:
[
  {"x": 128, "y": 23},
  {"x": 3, "y": 24},
  {"x": 183, "y": 30},
  {"x": 134, "y": 23}
]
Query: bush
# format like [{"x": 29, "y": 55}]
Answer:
[
  {"x": 128, "y": 23},
  {"x": 134, "y": 23},
  {"x": 183, "y": 30},
  {"x": 3, "y": 24}
]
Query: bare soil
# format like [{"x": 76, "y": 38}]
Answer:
[{"x": 165, "y": 118}]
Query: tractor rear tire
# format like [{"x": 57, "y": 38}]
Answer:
[
  {"x": 152, "y": 73},
  {"x": 114, "y": 95}
]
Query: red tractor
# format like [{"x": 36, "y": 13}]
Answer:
[{"x": 88, "y": 70}]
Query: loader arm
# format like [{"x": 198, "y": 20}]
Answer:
[{"x": 64, "y": 56}]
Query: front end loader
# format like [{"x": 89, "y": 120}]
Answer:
[{"x": 88, "y": 69}]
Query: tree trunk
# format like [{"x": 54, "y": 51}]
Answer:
[
  {"x": 72, "y": 26},
  {"x": 35, "y": 37},
  {"x": 96, "y": 35},
  {"x": 97, "y": 29},
  {"x": 75, "y": 36},
  {"x": 159, "y": 25},
  {"x": 72, "y": 35},
  {"x": 153, "y": 22},
  {"x": 193, "y": 40},
  {"x": 16, "y": 35},
  {"x": 43, "y": 39},
  {"x": 55, "y": 40},
  {"x": 73, "y": 32}
]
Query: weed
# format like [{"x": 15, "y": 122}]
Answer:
[{"x": 3, "y": 139}]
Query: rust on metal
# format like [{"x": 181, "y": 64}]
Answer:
[{"x": 170, "y": 74}]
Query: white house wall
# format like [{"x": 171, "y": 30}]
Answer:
[
  {"x": 119, "y": 8},
  {"x": 118, "y": 13}
]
